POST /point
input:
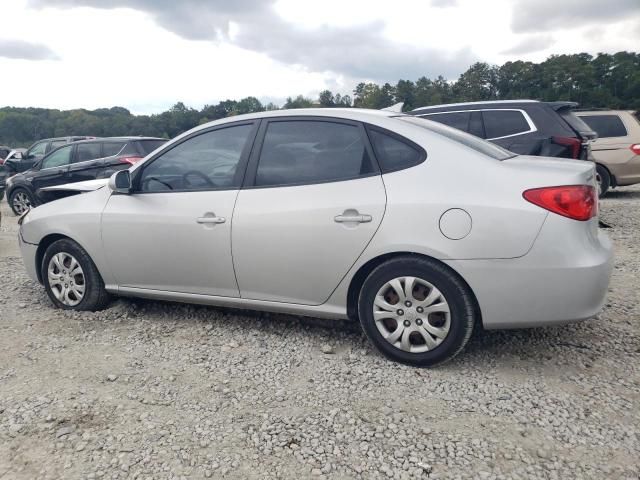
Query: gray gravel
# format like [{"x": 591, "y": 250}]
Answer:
[{"x": 158, "y": 390}]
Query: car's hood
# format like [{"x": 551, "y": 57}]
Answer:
[{"x": 87, "y": 186}]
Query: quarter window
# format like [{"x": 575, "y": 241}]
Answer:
[
  {"x": 57, "y": 158},
  {"x": 304, "y": 152},
  {"x": 459, "y": 120},
  {"x": 205, "y": 162},
  {"x": 502, "y": 123},
  {"x": 392, "y": 153},
  {"x": 605, "y": 125},
  {"x": 87, "y": 151}
]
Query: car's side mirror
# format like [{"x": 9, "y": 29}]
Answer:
[{"x": 120, "y": 182}]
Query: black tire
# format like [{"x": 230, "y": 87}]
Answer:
[
  {"x": 604, "y": 180},
  {"x": 95, "y": 296},
  {"x": 13, "y": 195},
  {"x": 455, "y": 291}
]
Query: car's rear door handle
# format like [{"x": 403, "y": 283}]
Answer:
[
  {"x": 352, "y": 218},
  {"x": 211, "y": 220}
]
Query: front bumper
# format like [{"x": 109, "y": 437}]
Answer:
[
  {"x": 563, "y": 279},
  {"x": 29, "y": 252}
]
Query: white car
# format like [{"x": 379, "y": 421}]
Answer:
[{"x": 421, "y": 231}]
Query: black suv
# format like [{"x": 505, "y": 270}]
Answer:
[
  {"x": 526, "y": 127},
  {"x": 76, "y": 162},
  {"x": 36, "y": 151}
]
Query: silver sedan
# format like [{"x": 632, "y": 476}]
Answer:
[{"x": 420, "y": 231}]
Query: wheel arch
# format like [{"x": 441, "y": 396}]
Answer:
[
  {"x": 612, "y": 177},
  {"x": 363, "y": 272},
  {"x": 42, "y": 248}
]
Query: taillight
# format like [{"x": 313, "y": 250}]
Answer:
[
  {"x": 1, "y": 161},
  {"x": 130, "y": 160},
  {"x": 578, "y": 202},
  {"x": 635, "y": 148},
  {"x": 573, "y": 143}
]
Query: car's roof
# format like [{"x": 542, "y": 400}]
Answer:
[
  {"x": 119, "y": 139},
  {"x": 358, "y": 114},
  {"x": 473, "y": 104}
]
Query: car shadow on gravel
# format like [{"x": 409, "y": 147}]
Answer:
[
  {"x": 525, "y": 347},
  {"x": 622, "y": 194}
]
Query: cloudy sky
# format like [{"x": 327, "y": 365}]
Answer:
[{"x": 147, "y": 54}]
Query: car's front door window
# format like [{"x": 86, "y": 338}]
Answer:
[
  {"x": 208, "y": 161},
  {"x": 38, "y": 149},
  {"x": 57, "y": 158}
]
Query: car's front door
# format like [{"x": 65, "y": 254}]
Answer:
[
  {"x": 312, "y": 202},
  {"x": 31, "y": 156},
  {"x": 53, "y": 169},
  {"x": 87, "y": 162},
  {"x": 173, "y": 232}
]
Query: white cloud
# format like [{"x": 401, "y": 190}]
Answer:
[{"x": 148, "y": 57}]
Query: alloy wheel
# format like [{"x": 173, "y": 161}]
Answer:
[
  {"x": 412, "y": 314},
  {"x": 21, "y": 202},
  {"x": 66, "y": 279}
]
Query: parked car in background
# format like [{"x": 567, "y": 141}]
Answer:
[
  {"x": 617, "y": 149},
  {"x": 6, "y": 172},
  {"x": 36, "y": 151},
  {"x": 336, "y": 213},
  {"x": 526, "y": 127},
  {"x": 4, "y": 153},
  {"x": 76, "y": 162}
]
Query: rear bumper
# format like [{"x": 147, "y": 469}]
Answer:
[
  {"x": 563, "y": 279},
  {"x": 28, "y": 251}
]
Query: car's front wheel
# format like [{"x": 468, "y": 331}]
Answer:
[
  {"x": 416, "y": 311},
  {"x": 20, "y": 201},
  {"x": 71, "y": 279}
]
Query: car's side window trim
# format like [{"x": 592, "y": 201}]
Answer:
[
  {"x": 254, "y": 160},
  {"x": 240, "y": 169},
  {"x": 532, "y": 126},
  {"x": 423, "y": 153}
]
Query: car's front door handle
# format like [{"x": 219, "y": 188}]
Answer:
[
  {"x": 211, "y": 220},
  {"x": 352, "y": 218}
]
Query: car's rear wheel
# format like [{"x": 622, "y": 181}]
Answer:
[
  {"x": 603, "y": 179},
  {"x": 416, "y": 311},
  {"x": 20, "y": 201},
  {"x": 71, "y": 279}
]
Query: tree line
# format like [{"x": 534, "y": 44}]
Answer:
[{"x": 604, "y": 80}]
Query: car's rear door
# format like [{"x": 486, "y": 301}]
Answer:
[
  {"x": 86, "y": 163},
  {"x": 173, "y": 232},
  {"x": 312, "y": 201}
]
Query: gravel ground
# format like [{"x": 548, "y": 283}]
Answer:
[{"x": 159, "y": 390}]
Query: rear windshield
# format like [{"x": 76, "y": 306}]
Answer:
[
  {"x": 606, "y": 125},
  {"x": 466, "y": 139},
  {"x": 149, "y": 146},
  {"x": 574, "y": 122}
]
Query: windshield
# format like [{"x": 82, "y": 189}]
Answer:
[{"x": 466, "y": 139}]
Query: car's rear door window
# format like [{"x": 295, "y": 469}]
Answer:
[
  {"x": 504, "y": 123},
  {"x": 394, "y": 153},
  {"x": 207, "y": 161},
  {"x": 58, "y": 158},
  {"x": 110, "y": 149},
  {"x": 605, "y": 126},
  {"x": 87, "y": 151},
  {"x": 148, "y": 146},
  {"x": 298, "y": 152},
  {"x": 459, "y": 120}
]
